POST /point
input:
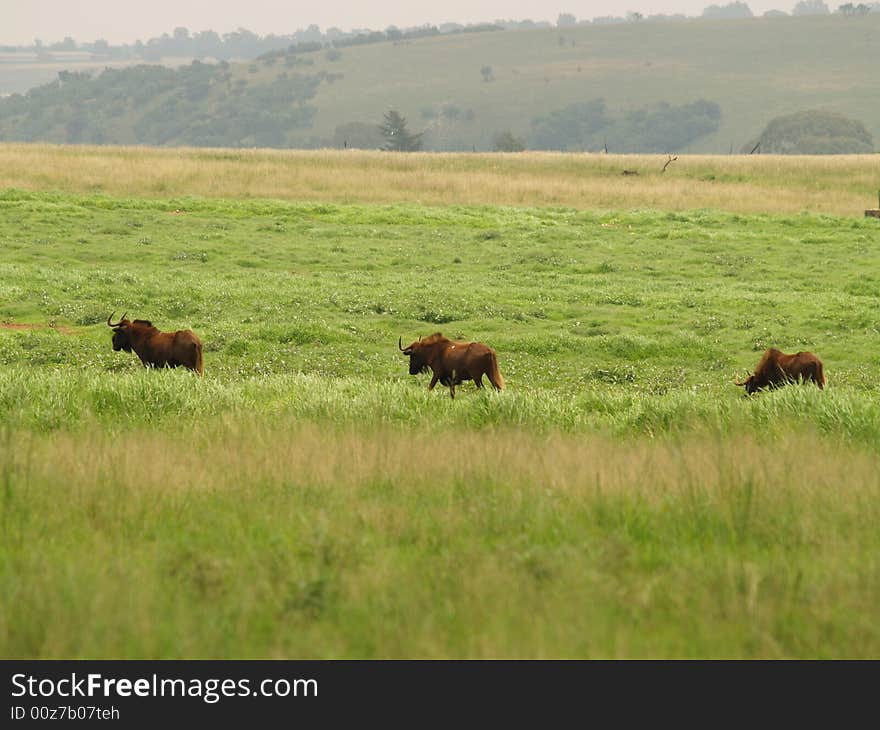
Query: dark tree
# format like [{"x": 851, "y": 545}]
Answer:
[
  {"x": 397, "y": 137},
  {"x": 507, "y": 142}
]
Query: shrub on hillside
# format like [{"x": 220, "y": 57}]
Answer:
[
  {"x": 659, "y": 127},
  {"x": 507, "y": 142},
  {"x": 813, "y": 133},
  {"x": 663, "y": 127},
  {"x": 572, "y": 128}
]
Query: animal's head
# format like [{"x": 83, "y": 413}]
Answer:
[
  {"x": 422, "y": 352},
  {"x": 418, "y": 362},
  {"x": 121, "y": 334},
  {"x": 750, "y": 383}
]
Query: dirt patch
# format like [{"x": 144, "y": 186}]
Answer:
[{"x": 25, "y": 326}]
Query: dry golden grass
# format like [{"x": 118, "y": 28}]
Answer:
[{"x": 840, "y": 185}]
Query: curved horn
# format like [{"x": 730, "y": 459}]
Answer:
[
  {"x": 735, "y": 376},
  {"x": 400, "y": 343},
  {"x": 110, "y": 324}
]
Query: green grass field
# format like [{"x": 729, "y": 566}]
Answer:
[{"x": 308, "y": 498}]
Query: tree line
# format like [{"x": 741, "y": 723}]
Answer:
[
  {"x": 242, "y": 43},
  {"x": 588, "y": 127},
  {"x": 245, "y": 44}
]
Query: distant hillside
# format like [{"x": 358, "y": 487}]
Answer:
[
  {"x": 690, "y": 86},
  {"x": 24, "y": 67},
  {"x": 21, "y": 72}
]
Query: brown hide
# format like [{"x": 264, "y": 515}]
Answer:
[
  {"x": 453, "y": 362},
  {"x": 155, "y": 348},
  {"x": 776, "y": 368}
]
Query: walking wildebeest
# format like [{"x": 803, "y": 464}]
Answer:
[
  {"x": 453, "y": 362},
  {"x": 776, "y": 369},
  {"x": 157, "y": 349}
]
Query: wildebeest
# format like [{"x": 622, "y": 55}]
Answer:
[
  {"x": 453, "y": 362},
  {"x": 776, "y": 369},
  {"x": 157, "y": 349}
]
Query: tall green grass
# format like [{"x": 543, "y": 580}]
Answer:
[
  {"x": 254, "y": 540},
  {"x": 308, "y": 498},
  {"x": 76, "y": 402}
]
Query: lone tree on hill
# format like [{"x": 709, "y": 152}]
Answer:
[
  {"x": 397, "y": 138},
  {"x": 813, "y": 132}
]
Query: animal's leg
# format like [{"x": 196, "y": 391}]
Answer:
[
  {"x": 478, "y": 380},
  {"x": 434, "y": 380},
  {"x": 452, "y": 389}
]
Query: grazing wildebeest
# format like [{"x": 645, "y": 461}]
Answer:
[
  {"x": 776, "y": 369},
  {"x": 453, "y": 362},
  {"x": 157, "y": 349}
]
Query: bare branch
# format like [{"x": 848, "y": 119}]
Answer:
[{"x": 669, "y": 162}]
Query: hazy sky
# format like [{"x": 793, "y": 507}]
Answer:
[{"x": 124, "y": 21}]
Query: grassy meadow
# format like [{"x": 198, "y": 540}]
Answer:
[{"x": 308, "y": 498}]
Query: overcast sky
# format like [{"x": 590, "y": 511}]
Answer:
[{"x": 124, "y": 21}]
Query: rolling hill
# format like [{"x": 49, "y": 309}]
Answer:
[{"x": 462, "y": 90}]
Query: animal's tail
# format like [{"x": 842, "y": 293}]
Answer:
[
  {"x": 200, "y": 366},
  {"x": 495, "y": 374}
]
